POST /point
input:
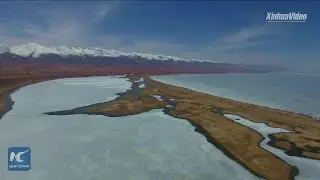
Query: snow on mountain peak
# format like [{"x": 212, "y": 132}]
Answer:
[{"x": 36, "y": 50}]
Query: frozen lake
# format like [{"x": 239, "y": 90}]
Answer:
[{"x": 146, "y": 146}]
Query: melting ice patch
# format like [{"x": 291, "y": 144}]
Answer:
[
  {"x": 142, "y": 85},
  {"x": 141, "y": 81},
  {"x": 159, "y": 98}
]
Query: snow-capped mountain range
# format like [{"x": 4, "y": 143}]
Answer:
[
  {"x": 35, "y": 50},
  {"x": 35, "y": 54}
]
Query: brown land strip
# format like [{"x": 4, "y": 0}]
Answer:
[{"x": 127, "y": 105}]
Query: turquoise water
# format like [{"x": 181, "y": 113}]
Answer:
[{"x": 294, "y": 92}]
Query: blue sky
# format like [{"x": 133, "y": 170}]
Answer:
[{"x": 233, "y": 32}]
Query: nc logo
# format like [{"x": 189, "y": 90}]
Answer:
[{"x": 19, "y": 159}]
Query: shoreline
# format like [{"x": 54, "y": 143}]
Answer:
[
  {"x": 8, "y": 103},
  {"x": 6, "y": 96}
]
